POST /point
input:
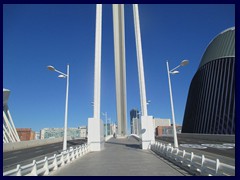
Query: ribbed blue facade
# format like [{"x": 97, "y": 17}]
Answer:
[{"x": 210, "y": 107}]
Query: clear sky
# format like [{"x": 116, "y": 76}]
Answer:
[{"x": 35, "y": 36}]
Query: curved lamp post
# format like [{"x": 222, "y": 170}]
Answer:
[
  {"x": 63, "y": 75},
  {"x": 173, "y": 71}
]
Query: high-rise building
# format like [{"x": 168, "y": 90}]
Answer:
[
  {"x": 136, "y": 126},
  {"x": 46, "y": 133},
  {"x": 134, "y": 113},
  {"x": 210, "y": 107}
]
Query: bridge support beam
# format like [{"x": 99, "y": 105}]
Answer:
[
  {"x": 146, "y": 121},
  {"x": 95, "y": 124},
  {"x": 120, "y": 68}
]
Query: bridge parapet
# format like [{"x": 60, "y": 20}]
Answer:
[
  {"x": 48, "y": 164},
  {"x": 198, "y": 165}
]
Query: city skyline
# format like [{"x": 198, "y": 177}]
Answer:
[{"x": 35, "y": 36}]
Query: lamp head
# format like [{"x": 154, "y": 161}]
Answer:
[
  {"x": 61, "y": 76},
  {"x": 184, "y": 62},
  {"x": 51, "y": 68},
  {"x": 148, "y": 102},
  {"x": 174, "y": 72}
]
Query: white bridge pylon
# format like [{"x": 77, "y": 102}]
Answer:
[
  {"x": 95, "y": 124},
  {"x": 9, "y": 131}
]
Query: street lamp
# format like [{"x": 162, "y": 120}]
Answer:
[
  {"x": 148, "y": 102},
  {"x": 173, "y": 71},
  {"x": 63, "y": 75},
  {"x": 105, "y": 114}
]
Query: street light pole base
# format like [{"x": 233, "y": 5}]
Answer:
[
  {"x": 147, "y": 131},
  {"x": 95, "y": 134}
]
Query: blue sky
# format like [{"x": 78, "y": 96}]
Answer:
[{"x": 38, "y": 35}]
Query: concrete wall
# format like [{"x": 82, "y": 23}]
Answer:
[
  {"x": 212, "y": 137},
  {"x": 28, "y": 144}
]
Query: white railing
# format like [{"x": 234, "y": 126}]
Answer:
[
  {"x": 198, "y": 165},
  {"x": 48, "y": 164},
  {"x": 108, "y": 137}
]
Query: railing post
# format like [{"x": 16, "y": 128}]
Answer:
[
  {"x": 183, "y": 154},
  {"x": 192, "y": 155},
  {"x": 72, "y": 154},
  {"x": 176, "y": 155},
  {"x": 164, "y": 149},
  {"x": 62, "y": 160},
  {"x": 217, "y": 166},
  {"x": 46, "y": 170},
  {"x": 79, "y": 151},
  {"x": 82, "y": 148},
  {"x": 168, "y": 153},
  {"x": 55, "y": 163},
  {"x": 76, "y": 152},
  {"x": 171, "y": 152},
  {"x": 203, "y": 160},
  {"x": 19, "y": 170},
  {"x": 67, "y": 156},
  {"x": 182, "y": 158},
  {"x": 191, "y": 158},
  {"x": 157, "y": 147},
  {"x": 34, "y": 169},
  {"x": 161, "y": 148}
]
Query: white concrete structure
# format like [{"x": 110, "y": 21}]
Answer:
[
  {"x": 146, "y": 121},
  {"x": 9, "y": 131},
  {"x": 95, "y": 125},
  {"x": 120, "y": 67}
]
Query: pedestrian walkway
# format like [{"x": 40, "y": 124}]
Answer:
[{"x": 121, "y": 157}]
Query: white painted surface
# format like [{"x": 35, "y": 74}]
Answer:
[
  {"x": 95, "y": 134},
  {"x": 148, "y": 131},
  {"x": 97, "y": 64},
  {"x": 140, "y": 61}
]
